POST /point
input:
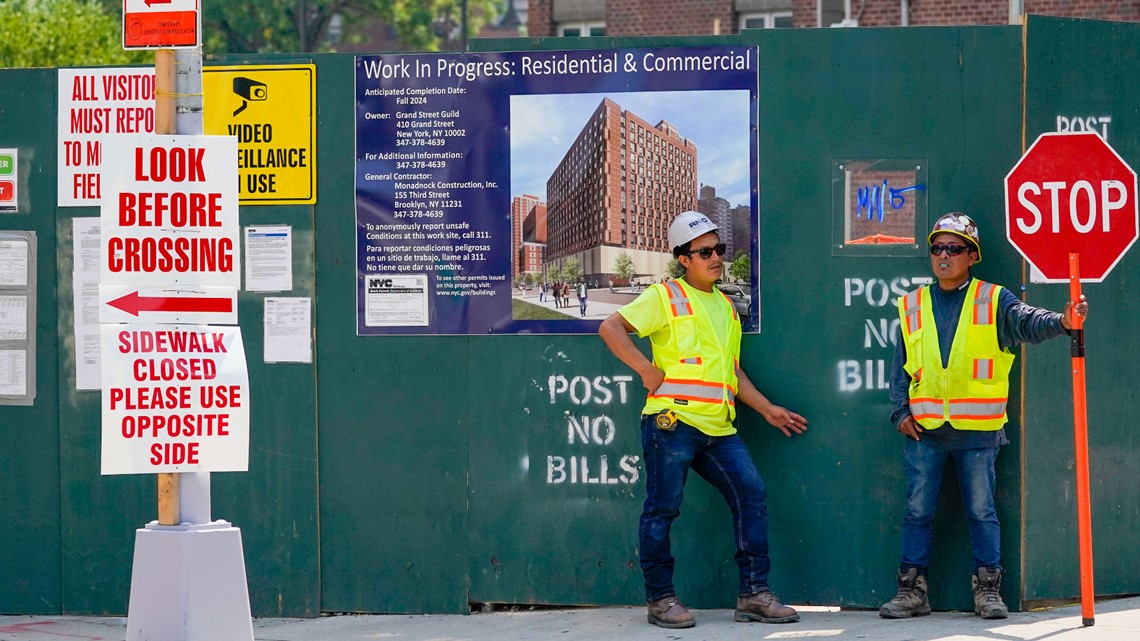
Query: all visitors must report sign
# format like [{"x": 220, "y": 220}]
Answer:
[{"x": 175, "y": 399}]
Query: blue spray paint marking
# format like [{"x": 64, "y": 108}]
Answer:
[{"x": 874, "y": 199}]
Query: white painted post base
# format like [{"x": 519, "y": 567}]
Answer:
[{"x": 188, "y": 584}]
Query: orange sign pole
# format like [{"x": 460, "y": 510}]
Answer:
[{"x": 1081, "y": 436}]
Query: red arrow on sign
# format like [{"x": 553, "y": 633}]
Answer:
[
  {"x": 151, "y": 3},
  {"x": 132, "y": 304}
]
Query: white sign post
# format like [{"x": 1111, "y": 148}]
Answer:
[{"x": 175, "y": 397}]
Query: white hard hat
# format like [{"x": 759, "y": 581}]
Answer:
[
  {"x": 961, "y": 226},
  {"x": 687, "y": 226}
]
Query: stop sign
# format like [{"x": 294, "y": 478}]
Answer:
[{"x": 1071, "y": 192}]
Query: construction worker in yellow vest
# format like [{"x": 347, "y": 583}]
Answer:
[
  {"x": 694, "y": 382},
  {"x": 949, "y": 388}
]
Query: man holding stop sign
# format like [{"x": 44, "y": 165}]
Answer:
[{"x": 949, "y": 388}]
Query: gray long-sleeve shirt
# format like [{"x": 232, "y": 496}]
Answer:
[{"x": 1016, "y": 323}]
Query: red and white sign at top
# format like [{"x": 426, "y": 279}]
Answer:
[
  {"x": 1071, "y": 192},
  {"x": 161, "y": 24},
  {"x": 169, "y": 215}
]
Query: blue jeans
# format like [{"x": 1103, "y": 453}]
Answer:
[
  {"x": 724, "y": 462},
  {"x": 924, "y": 465}
]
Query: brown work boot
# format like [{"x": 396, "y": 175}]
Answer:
[
  {"x": 987, "y": 594},
  {"x": 911, "y": 599},
  {"x": 765, "y": 607},
  {"x": 669, "y": 613}
]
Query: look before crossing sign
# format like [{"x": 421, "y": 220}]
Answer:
[{"x": 169, "y": 230}]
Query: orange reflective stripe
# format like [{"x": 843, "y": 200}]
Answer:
[
  {"x": 977, "y": 409},
  {"x": 921, "y": 408},
  {"x": 983, "y": 304},
  {"x": 913, "y": 311},
  {"x": 984, "y": 369},
  {"x": 693, "y": 381},
  {"x": 690, "y": 390},
  {"x": 678, "y": 301},
  {"x": 696, "y": 360}
]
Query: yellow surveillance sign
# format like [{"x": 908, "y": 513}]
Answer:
[{"x": 272, "y": 111}]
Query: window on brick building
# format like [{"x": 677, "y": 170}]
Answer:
[
  {"x": 766, "y": 20},
  {"x": 581, "y": 29},
  {"x": 832, "y": 12}
]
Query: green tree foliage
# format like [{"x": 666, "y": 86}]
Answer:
[
  {"x": 62, "y": 33},
  {"x": 623, "y": 266},
  {"x": 673, "y": 268},
  {"x": 268, "y": 26},
  {"x": 741, "y": 268},
  {"x": 571, "y": 270}
]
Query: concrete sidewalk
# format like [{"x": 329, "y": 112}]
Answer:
[
  {"x": 597, "y": 307},
  {"x": 1116, "y": 620}
]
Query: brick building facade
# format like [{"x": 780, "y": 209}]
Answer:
[
  {"x": 621, "y": 183},
  {"x": 533, "y": 251},
  {"x": 521, "y": 207},
  {"x": 693, "y": 17}
]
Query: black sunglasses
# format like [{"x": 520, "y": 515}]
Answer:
[
  {"x": 951, "y": 248},
  {"x": 707, "y": 252}
]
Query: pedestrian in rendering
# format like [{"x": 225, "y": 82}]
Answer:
[
  {"x": 694, "y": 385},
  {"x": 949, "y": 387},
  {"x": 556, "y": 292},
  {"x": 582, "y": 297}
]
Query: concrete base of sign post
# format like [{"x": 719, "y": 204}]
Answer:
[{"x": 188, "y": 584}]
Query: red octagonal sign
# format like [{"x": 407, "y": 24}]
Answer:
[{"x": 1071, "y": 192}]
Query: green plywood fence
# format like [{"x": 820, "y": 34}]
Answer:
[
  {"x": 917, "y": 97},
  {"x": 423, "y": 474},
  {"x": 30, "y": 441},
  {"x": 86, "y": 547},
  {"x": 836, "y": 494},
  {"x": 1081, "y": 75}
]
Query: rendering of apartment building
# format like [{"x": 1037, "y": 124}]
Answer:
[{"x": 616, "y": 190}]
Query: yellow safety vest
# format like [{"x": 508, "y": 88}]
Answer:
[
  {"x": 700, "y": 372},
  {"x": 970, "y": 394}
]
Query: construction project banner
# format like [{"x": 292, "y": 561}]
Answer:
[{"x": 532, "y": 192}]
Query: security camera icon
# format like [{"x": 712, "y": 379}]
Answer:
[{"x": 250, "y": 91}]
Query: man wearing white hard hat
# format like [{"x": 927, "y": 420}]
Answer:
[
  {"x": 949, "y": 387},
  {"x": 693, "y": 383}
]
